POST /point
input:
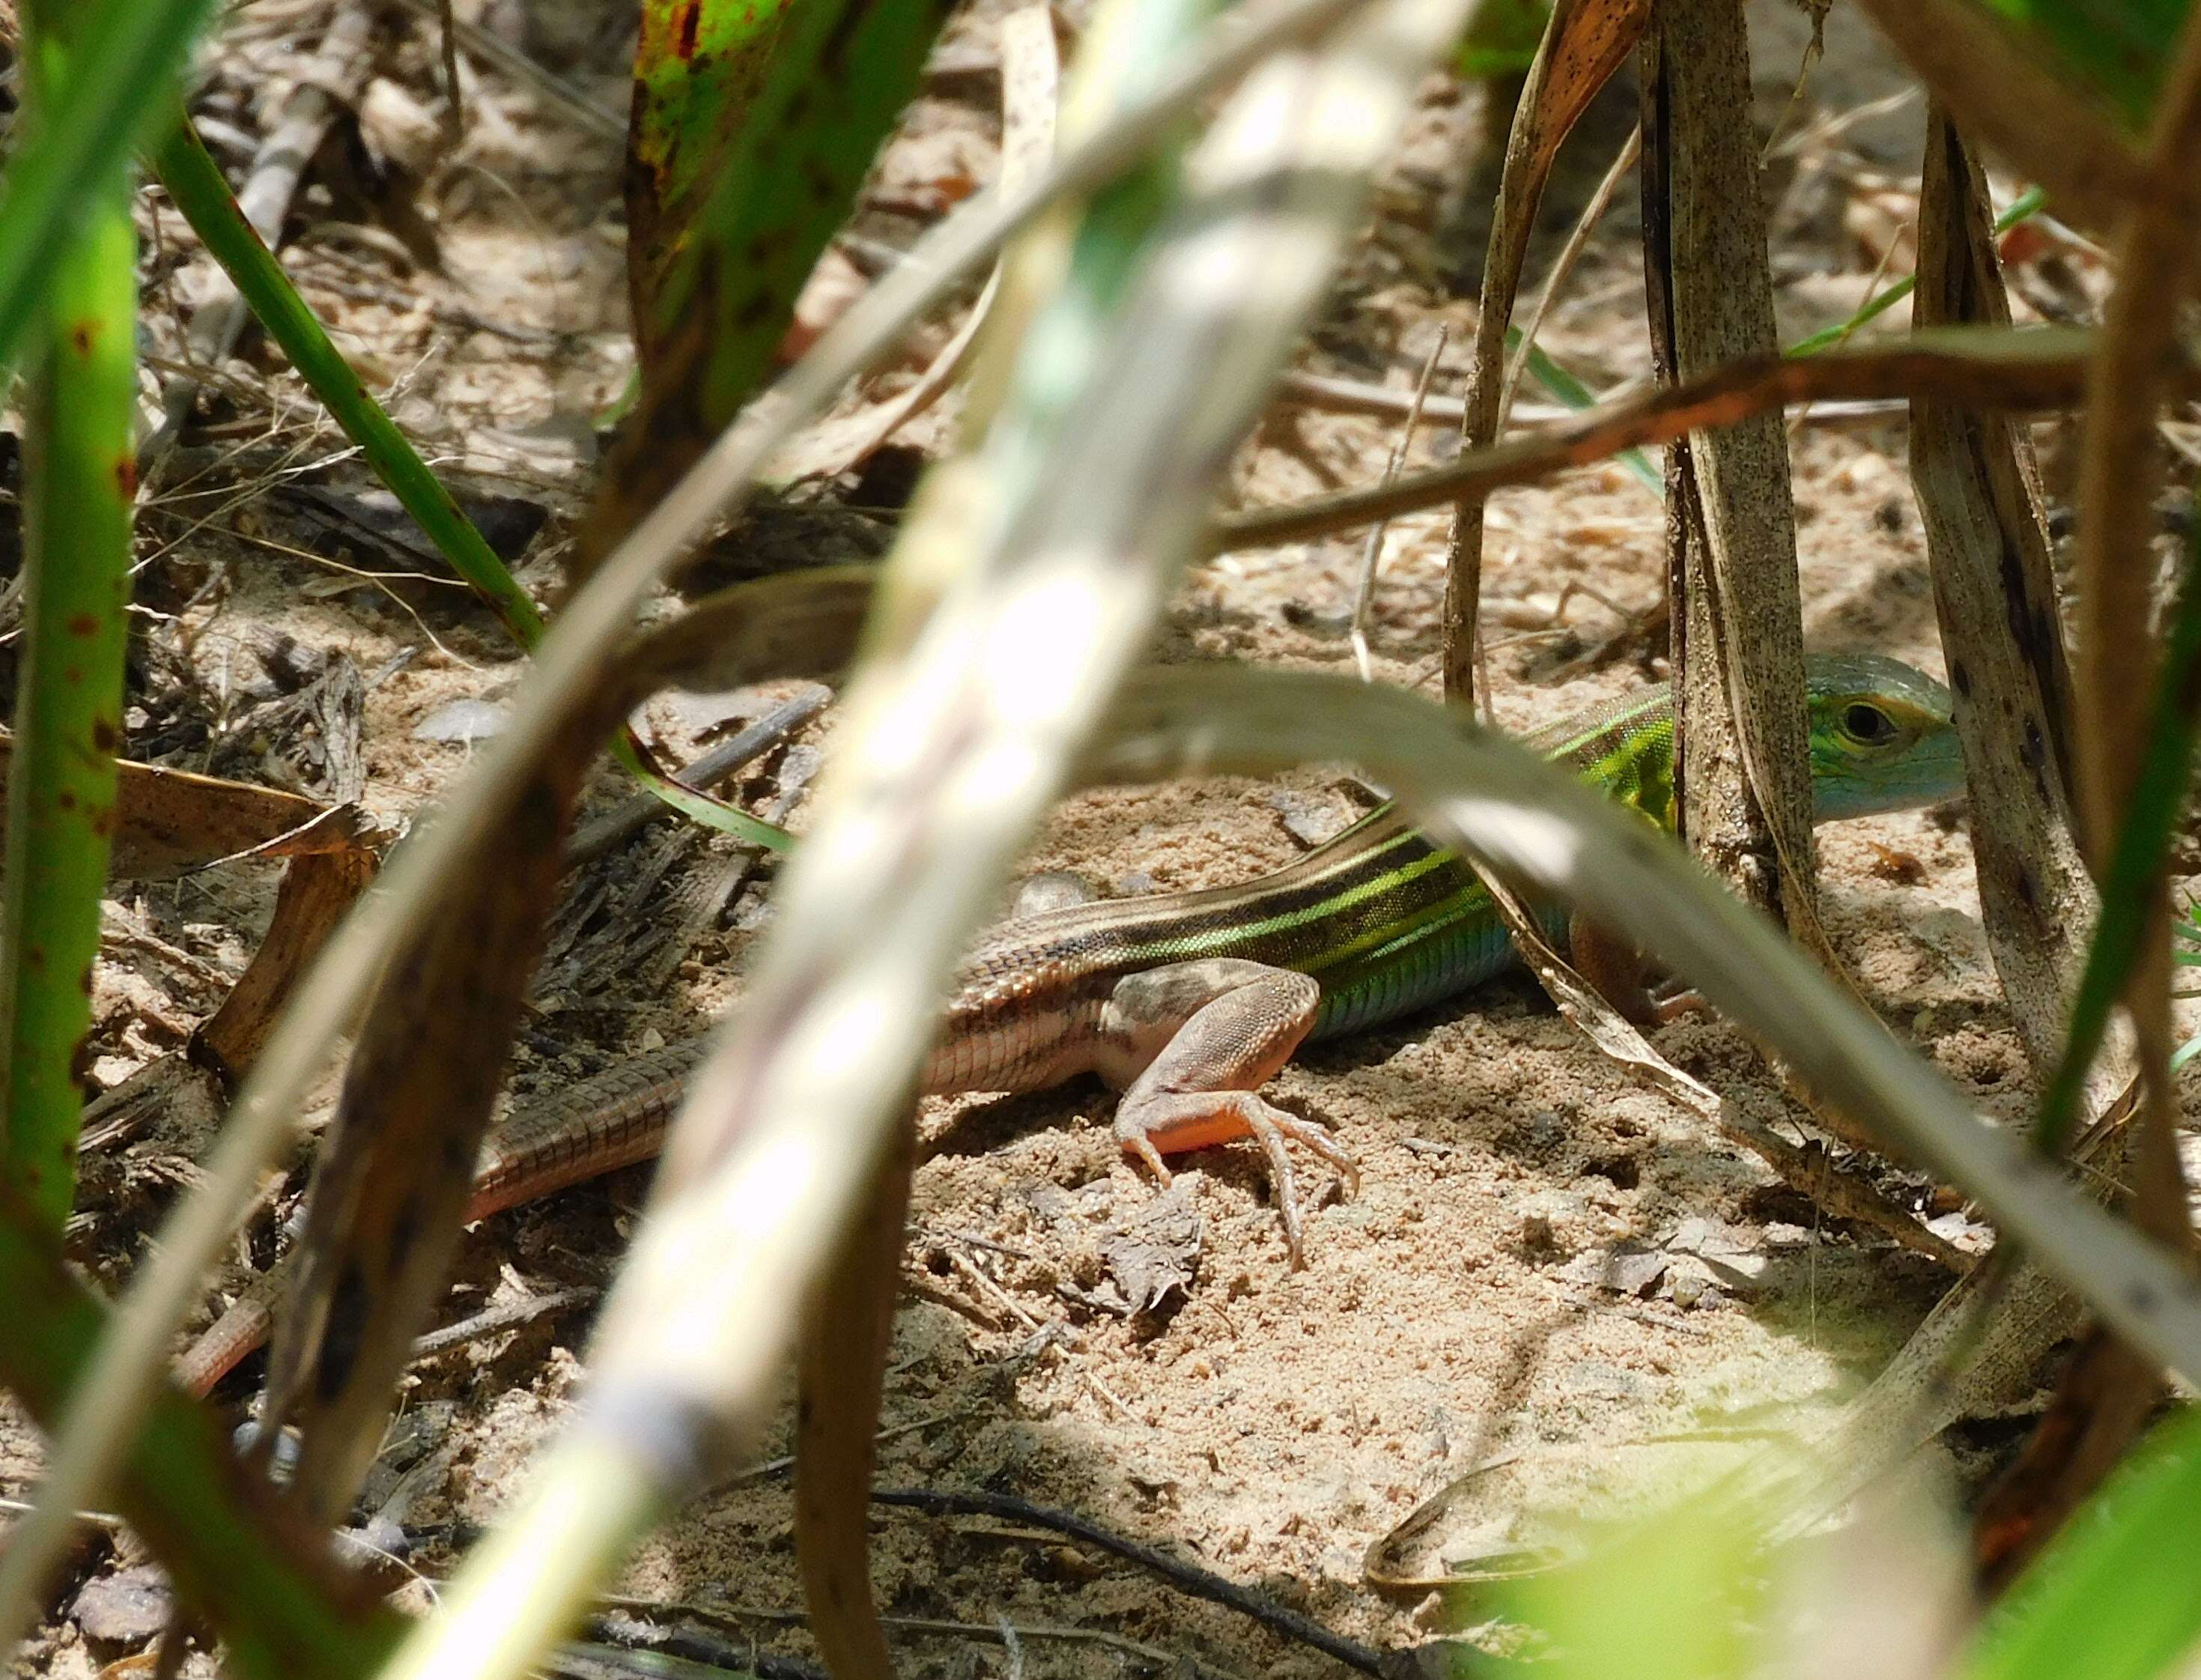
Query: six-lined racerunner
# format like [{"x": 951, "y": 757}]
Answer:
[{"x": 1189, "y": 1002}]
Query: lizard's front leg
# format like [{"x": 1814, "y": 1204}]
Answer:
[{"x": 1191, "y": 1042}]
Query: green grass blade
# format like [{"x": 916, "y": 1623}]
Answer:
[
  {"x": 701, "y": 807},
  {"x": 2115, "y": 50},
  {"x": 79, "y": 490},
  {"x": 2113, "y": 1597},
  {"x": 2022, "y": 208},
  {"x": 1562, "y": 385},
  {"x": 1878, "y": 304},
  {"x": 195, "y": 181},
  {"x": 1677, "y": 1598},
  {"x": 2142, "y": 840},
  {"x": 1502, "y": 39},
  {"x": 126, "y": 54}
]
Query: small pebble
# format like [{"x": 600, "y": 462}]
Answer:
[{"x": 461, "y": 723}]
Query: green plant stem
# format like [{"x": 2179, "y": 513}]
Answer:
[
  {"x": 267, "y": 1583},
  {"x": 80, "y": 490},
  {"x": 2136, "y": 861},
  {"x": 125, "y": 54},
  {"x": 195, "y": 181}
]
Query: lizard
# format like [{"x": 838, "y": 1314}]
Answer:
[{"x": 1189, "y": 1002}]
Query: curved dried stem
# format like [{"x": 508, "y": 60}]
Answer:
[
  {"x": 123, "y": 1373},
  {"x": 2042, "y": 367},
  {"x": 952, "y": 743}
]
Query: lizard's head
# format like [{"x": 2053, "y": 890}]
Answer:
[{"x": 1881, "y": 738}]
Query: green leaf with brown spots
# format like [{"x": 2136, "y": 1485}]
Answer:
[
  {"x": 697, "y": 67},
  {"x": 754, "y": 122}
]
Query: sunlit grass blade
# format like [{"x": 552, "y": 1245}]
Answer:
[
  {"x": 1676, "y": 1599},
  {"x": 127, "y": 53}
]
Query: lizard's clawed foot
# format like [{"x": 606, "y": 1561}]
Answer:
[{"x": 1184, "y": 1120}]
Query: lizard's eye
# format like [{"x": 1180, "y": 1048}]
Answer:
[{"x": 1868, "y": 724}]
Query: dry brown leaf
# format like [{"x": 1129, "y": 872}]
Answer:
[
  {"x": 1585, "y": 42},
  {"x": 170, "y": 822}
]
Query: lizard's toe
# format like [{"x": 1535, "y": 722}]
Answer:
[{"x": 1178, "y": 1121}]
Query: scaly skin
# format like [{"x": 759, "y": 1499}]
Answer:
[{"x": 1190, "y": 1000}]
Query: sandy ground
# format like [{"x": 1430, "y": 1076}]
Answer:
[{"x": 1272, "y": 1424}]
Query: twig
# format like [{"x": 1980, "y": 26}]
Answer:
[
  {"x": 1050, "y": 1334},
  {"x": 491, "y": 1320},
  {"x": 1802, "y": 417},
  {"x": 483, "y": 44},
  {"x": 934, "y": 1627},
  {"x": 1188, "y": 1577},
  {"x": 1335, "y": 395},
  {"x": 1364, "y": 600},
  {"x": 1000, "y": 1297},
  {"x": 1569, "y": 253},
  {"x": 124, "y": 1369},
  {"x": 114, "y": 932},
  {"x": 99, "y": 1519},
  {"x": 362, "y": 291},
  {"x": 771, "y": 1469},
  {"x": 648, "y": 1654}
]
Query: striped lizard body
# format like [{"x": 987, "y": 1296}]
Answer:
[
  {"x": 1385, "y": 922},
  {"x": 1189, "y": 1002}
]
